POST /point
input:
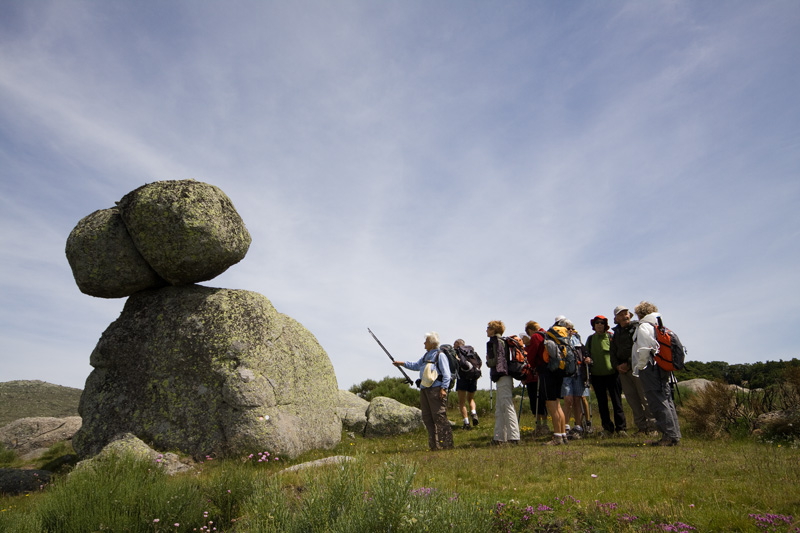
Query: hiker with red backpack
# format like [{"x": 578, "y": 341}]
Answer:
[
  {"x": 654, "y": 379},
  {"x": 506, "y": 427},
  {"x": 536, "y": 395},
  {"x": 605, "y": 379},
  {"x": 434, "y": 382}
]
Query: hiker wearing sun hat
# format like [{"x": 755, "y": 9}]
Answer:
[
  {"x": 604, "y": 378},
  {"x": 620, "y": 353}
]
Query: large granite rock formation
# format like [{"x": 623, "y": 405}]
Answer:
[
  {"x": 104, "y": 261},
  {"x": 209, "y": 372},
  {"x": 188, "y": 231}
]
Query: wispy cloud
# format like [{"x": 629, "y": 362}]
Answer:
[{"x": 417, "y": 166}]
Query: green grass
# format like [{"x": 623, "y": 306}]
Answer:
[{"x": 397, "y": 484}]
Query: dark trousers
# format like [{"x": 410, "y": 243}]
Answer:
[
  {"x": 606, "y": 387},
  {"x": 535, "y": 390},
  {"x": 434, "y": 416}
]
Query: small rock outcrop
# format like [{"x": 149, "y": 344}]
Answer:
[
  {"x": 209, "y": 372},
  {"x": 352, "y": 409},
  {"x": 386, "y": 416},
  {"x": 129, "y": 444},
  {"x": 30, "y": 437}
]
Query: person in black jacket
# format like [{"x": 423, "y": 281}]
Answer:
[{"x": 620, "y": 353}]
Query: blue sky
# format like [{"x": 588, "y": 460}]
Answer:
[{"x": 415, "y": 166}]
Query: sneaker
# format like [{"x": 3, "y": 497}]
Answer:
[{"x": 475, "y": 419}]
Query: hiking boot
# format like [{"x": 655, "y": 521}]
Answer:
[
  {"x": 565, "y": 440},
  {"x": 621, "y": 433},
  {"x": 573, "y": 435},
  {"x": 475, "y": 419},
  {"x": 466, "y": 426},
  {"x": 603, "y": 434},
  {"x": 555, "y": 441},
  {"x": 665, "y": 441}
]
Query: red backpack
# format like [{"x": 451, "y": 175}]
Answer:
[
  {"x": 518, "y": 367},
  {"x": 671, "y": 353}
]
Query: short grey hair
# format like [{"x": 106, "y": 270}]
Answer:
[{"x": 433, "y": 338}]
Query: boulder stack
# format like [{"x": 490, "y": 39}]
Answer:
[{"x": 202, "y": 370}]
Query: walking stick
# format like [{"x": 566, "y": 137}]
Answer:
[
  {"x": 589, "y": 401},
  {"x": 408, "y": 379},
  {"x": 673, "y": 386}
]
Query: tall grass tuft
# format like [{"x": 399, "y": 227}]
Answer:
[{"x": 120, "y": 493}]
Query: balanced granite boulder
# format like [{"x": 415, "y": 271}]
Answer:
[
  {"x": 209, "y": 371},
  {"x": 104, "y": 260},
  {"x": 187, "y": 231}
]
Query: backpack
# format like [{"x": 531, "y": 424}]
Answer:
[
  {"x": 671, "y": 353},
  {"x": 518, "y": 367},
  {"x": 469, "y": 363},
  {"x": 452, "y": 360},
  {"x": 560, "y": 355}
]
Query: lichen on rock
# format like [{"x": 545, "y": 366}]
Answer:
[
  {"x": 187, "y": 231},
  {"x": 104, "y": 260},
  {"x": 209, "y": 372}
]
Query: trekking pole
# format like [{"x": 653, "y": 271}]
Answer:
[
  {"x": 589, "y": 422},
  {"x": 491, "y": 406},
  {"x": 536, "y": 414},
  {"x": 408, "y": 379},
  {"x": 673, "y": 385},
  {"x": 521, "y": 400}
]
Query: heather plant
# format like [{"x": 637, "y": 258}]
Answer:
[{"x": 7, "y": 457}]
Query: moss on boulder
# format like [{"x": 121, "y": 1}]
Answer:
[
  {"x": 187, "y": 231},
  {"x": 104, "y": 260},
  {"x": 209, "y": 372}
]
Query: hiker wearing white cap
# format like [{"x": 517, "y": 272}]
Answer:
[{"x": 620, "y": 353}]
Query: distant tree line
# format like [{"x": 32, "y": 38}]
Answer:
[{"x": 750, "y": 375}]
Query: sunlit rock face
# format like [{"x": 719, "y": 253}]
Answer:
[{"x": 209, "y": 372}]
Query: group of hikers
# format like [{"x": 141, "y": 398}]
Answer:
[{"x": 555, "y": 365}]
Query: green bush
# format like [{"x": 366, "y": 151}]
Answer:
[
  {"x": 395, "y": 388},
  {"x": 7, "y": 457}
]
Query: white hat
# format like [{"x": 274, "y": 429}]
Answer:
[{"x": 620, "y": 308}]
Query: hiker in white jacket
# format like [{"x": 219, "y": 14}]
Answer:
[{"x": 654, "y": 380}]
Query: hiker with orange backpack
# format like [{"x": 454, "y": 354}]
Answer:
[
  {"x": 654, "y": 379},
  {"x": 506, "y": 426}
]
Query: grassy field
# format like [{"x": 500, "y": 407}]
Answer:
[{"x": 396, "y": 484}]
